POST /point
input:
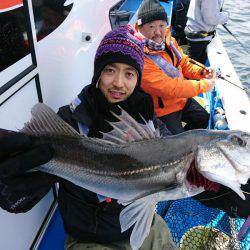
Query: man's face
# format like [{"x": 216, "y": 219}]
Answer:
[
  {"x": 117, "y": 81},
  {"x": 154, "y": 30}
]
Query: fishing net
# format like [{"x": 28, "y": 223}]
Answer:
[{"x": 196, "y": 227}]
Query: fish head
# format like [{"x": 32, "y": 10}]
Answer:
[
  {"x": 226, "y": 160},
  {"x": 236, "y": 148}
]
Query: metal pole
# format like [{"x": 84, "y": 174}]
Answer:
[
  {"x": 219, "y": 76},
  {"x": 234, "y": 36}
]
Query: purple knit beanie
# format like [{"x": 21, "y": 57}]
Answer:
[{"x": 122, "y": 45}]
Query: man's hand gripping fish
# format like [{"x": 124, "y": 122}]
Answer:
[{"x": 138, "y": 167}]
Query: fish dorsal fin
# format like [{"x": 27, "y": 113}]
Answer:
[
  {"x": 127, "y": 129},
  {"x": 45, "y": 121}
]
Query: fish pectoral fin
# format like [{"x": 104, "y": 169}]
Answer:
[
  {"x": 127, "y": 129},
  {"x": 150, "y": 193},
  {"x": 45, "y": 120},
  {"x": 140, "y": 213},
  {"x": 173, "y": 191}
]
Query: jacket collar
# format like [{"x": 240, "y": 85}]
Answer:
[{"x": 82, "y": 111}]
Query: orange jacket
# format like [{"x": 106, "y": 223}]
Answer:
[{"x": 173, "y": 92}]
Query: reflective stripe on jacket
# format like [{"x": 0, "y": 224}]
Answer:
[{"x": 170, "y": 94}]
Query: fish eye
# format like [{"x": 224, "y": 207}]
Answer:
[{"x": 238, "y": 140}]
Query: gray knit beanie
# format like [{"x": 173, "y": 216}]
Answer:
[{"x": 151, "y": 10}]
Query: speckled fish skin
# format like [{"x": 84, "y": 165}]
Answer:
[
  {"x": 129, "y": 170},
  {"x": 135, "y": 169},
  {"x": 134, "y": 165}
]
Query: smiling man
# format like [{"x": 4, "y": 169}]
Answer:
[
  {"x": 168, "y": 72},
  {"x": 118, "y": 81},
  {"x": 90, "y": 220}
]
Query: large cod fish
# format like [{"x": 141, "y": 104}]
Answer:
[{"x": 138, "y": 167}]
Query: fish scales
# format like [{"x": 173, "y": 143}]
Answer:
[
  {"x": 104, "y": 163},
  {"x": 140, "y": 173}
]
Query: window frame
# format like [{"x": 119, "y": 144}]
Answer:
[{"x": 17, "y": 77}]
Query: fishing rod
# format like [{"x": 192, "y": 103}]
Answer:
[
  {"x": 234, "y": 36},
  {"x": 219, "y": 75}
]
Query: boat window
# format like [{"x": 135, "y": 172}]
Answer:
[
  {"x": 14, "y": 43},
  {"x": 48, "y": 15},
  {"x": 123, "y": 12},
  {"x": 118, "y": 16},
  {"x": 114, "y": 14}
]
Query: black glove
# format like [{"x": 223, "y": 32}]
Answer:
[
  {"x": 228, "y": 201},
  {"x": 21, "y": 190}
]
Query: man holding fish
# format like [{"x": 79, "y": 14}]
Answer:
[
  {"x": 91, "y": 220},
  {"x": 131, "y": 162}
]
